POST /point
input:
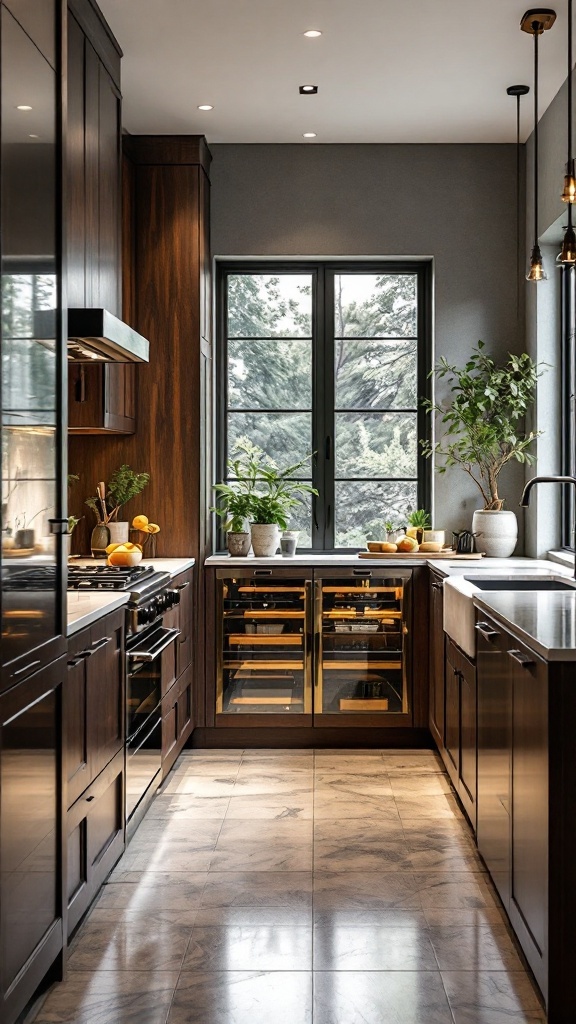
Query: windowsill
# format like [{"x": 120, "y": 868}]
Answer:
[{"x": 562, "y": 557}]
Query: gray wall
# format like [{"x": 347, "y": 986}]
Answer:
[
  {"x": 543, "y": 320},
  {"x": 455, "y": 204}
]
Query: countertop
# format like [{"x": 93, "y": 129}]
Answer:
[
  {"x": 544, "y": 621},
  {"x": 87, "y": 606},
  {"x": 445, "y": 566}
]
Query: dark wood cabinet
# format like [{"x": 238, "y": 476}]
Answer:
[
  {"x": 101, "y": 398},
  {"x": 176, "y": 719},
  {"x": 95, "y": 838},
  {"x": 93, "y": 722},
  {"x": 30, "y": 836},
  {"x": 437, "y": 656},
  {"x": 459, "y": 753}
]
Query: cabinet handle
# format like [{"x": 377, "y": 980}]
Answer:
[
  {"x": 76, "y": 661},
  {"x": 522, "y": 659},
  {"x": 26, "y": 668},
  {"x": 437, "y": 586},
  {"x": 262, "y": 572},
  {"x": 484, "y": 629},
  {"x": 96, "y": 646},
  {"x": 89, "y": 799},
  {"x": 361, "y": 572},
  {"x": 182, "y": 586}
]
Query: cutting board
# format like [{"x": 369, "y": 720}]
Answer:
[{"x": 419, "y": 554}]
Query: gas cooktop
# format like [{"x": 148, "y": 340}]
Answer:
[{"x": 107, "y": 577}]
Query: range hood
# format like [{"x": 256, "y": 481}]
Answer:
[{"x": 95, "y": 335}]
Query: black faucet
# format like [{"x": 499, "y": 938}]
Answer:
[{"x": 525, "y": 499}]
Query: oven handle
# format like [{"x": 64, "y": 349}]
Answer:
[{"x": 168, "y": 636}]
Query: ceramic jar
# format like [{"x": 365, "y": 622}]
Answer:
[{"x": 496, "y": 532}]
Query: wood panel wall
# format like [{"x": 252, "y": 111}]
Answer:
[{"x": 166, "y": 297}]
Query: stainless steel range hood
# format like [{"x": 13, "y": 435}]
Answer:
[{"x": 95, "y": 335}]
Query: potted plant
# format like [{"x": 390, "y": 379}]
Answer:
[
  {"x": 234, "y": 510},
  {"x": 418, "y": 521},
  {"x": 270, "y": 493},
  {"x": 124, "y": 485},
  {"x": 483, "y": 421}
]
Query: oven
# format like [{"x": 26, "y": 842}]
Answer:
[{"x": 145, "y": 655}]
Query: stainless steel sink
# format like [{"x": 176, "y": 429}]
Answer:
[{"x": 540, "y": 584}]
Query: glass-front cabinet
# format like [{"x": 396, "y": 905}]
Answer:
[
  {"x": 362, "y": 631},
  {"x": 329, "y": 647},
  {"x": 30, "y": 341},
  {"x": 264, "y": 648}
]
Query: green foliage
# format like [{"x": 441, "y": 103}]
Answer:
[
  {"x": 124, "y": 484},
  {"x": 483, "y": 419},
  {"x": 234, "y": 508},
  {"x": 420, "y": 519},
  {"x": 260, "y": 491}
]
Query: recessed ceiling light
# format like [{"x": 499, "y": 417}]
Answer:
[
  {"x": 33, "y": 136},
  {"x": 205, "y": 106},
  {"x": 309, "y": 135},
  {"x": 313, "y": 33},
  {"x": 308, "y": 90},
  {"x": 23, "y": 106}
]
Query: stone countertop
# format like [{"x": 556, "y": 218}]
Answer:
[
  {"x": 545, "y": 621},
  {"x": 87, "y": 606},
  {"x": 445, "y": 566}
]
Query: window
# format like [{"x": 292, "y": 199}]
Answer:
[
  {"x": 331, "y": 359},
  {"x": 568, "y": 400}
]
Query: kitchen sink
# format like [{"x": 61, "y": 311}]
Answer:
[
  {"x": 459, "y": 616},
  {"x": 481, "y": 583}
]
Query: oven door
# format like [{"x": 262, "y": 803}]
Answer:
[{"x": 144, "y": 676}]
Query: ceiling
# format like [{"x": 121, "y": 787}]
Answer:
[{"x": 405, "y": 71}]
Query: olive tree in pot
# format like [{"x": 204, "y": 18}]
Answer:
[{"x": 484, "y": 431}]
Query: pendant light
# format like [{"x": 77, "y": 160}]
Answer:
[
  {"x": 536, "y": 22},
  {"x": 518, "y": 91},
  {"x": 567, "y": 256}
]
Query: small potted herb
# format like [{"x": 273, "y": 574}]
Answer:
[{"x": 418, "y": 521}]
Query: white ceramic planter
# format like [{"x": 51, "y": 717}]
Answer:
[
  {"x": 119, "y": 532},
  {"x": 497, "y": 532},
  {"x": 265, "y": 539},
  {"x": 238, "y": 544}
]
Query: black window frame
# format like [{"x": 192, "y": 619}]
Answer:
[
  {"x": 568, "y": 376},
  {"x": 323, "y": 413}
]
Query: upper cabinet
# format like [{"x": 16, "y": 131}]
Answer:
[
  {"x": 31, "y": 341},
  {"x": 101, "y": 398}
]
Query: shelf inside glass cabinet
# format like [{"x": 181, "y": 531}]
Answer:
[{"x": 263, "y": 647}]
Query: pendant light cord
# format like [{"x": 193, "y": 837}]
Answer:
[
  {"x": 569, "y": 166},
  {"x": 537, "y": 30},
  {"x": 518, "y": 205}
]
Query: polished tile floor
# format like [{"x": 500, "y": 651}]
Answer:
[{"x": 298, "y": 887}]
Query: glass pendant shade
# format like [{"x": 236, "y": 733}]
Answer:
[
  {"x": 569, "y": 190},
  {"x": 536, "y": 272},
  {"x": 568, "y": 253}
]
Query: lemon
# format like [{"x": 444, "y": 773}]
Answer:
[
  {"x": 140, "y": 522},
  {"x": 111, "y": 548},
  {"x": 153, "y": 528}
]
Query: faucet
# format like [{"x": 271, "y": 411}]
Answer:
[{"x": 525, "y": 499}]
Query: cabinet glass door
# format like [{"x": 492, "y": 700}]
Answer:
[
  {"x": 30, "y": 356},
  {"x": 361, "y": 648},
  {"x": 263, "y": 646}
]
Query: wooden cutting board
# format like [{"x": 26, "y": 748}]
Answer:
[{"x": 418, "y": 554}]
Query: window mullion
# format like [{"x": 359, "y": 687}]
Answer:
[
  {"x": 329, "y": 426},
  {"x": 318, "y": 467}
]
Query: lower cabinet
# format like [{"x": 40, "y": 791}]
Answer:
[
  {"x": 513, "y": 786},
  {"x": 95, "y": 838},
  {"x": 94, "y": 759},
  {"x": 176, "y": 719},
  {"x": 30, "y": 836},
  {"x": 436, "y": 707},
  {"x": 460, "y": 742}
]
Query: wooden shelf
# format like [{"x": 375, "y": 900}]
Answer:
[
  {"x": 266, "y": 700},
  {"x": 272, "y": 590},
  {"x": 363, "y": 590},
  {"x": 359, "y": 704},
  {"x": 264, "y": 613},
  {"x": 360, "y": 666},
  {"x": 286, "y": 666},
  {"x": 352, "y": 613},
  {"x": 279, "y": 639}
]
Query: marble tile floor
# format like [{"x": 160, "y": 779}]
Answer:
[{"x": 298, "y": 887}]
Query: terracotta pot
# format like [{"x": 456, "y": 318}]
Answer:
[
  {"x": 265, "y": 539},
  {"x": 239, "y": 544}
]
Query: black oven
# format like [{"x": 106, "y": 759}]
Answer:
[{"x": 144, "y": 710}]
